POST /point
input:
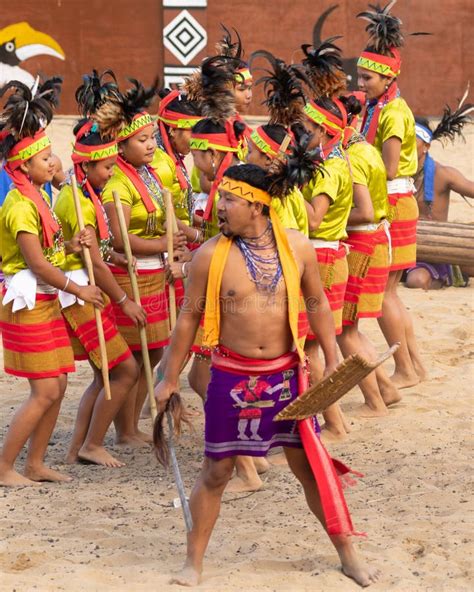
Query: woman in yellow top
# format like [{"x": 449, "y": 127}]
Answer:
[
  {"x": 328, "y": 200},
  {"x": 176, "y": 116},
  {"x": 141, "y": 192},
  {"x": 368, "y": 258},
  {"x": 94, "y": 156},
  {"x": 390, "y": 126},
  {"x": 35, "y": 341}
]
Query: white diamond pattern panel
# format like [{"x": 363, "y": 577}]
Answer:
[{"x": 184, "y": 37}]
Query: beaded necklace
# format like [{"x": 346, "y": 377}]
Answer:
[
  {"x": 154, "y": 191},
  {"x": 152, "y": 185},
  {"x": 265, "y": 272},
  {"x": 371, "y": 105},
  {"x": 189, "y": 193}
]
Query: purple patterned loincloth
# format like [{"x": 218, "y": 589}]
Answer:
[{"x": 240, "y": 408}]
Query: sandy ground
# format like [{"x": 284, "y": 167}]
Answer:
[{"x": 114, "y": 530}]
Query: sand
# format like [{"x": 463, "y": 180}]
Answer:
[{"x": 114, "y": 530}]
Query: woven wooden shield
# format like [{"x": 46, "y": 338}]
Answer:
[{"x": 329, "y": 390}]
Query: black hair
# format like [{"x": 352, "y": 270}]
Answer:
[
  {"x": 352, "y": 105},
  {"x": 276, "y": 132},
  {"x": 210, "y": 126},
  {"x": 180, "y": 104},
  {"x": 92, "y": 138}
]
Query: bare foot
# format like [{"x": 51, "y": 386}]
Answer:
[
  {"x": 404, "y": 380},
  {"x": 366, "y": 412},
  {"x": 353, "y": 567},
  {"x": 131, "y": 442},
  {"x": 345, "y": 423},
  {"x": 10, "y": 478},
  {"x": 71, "y": 457},
  {"x": 261, "y": 464},
  {"x": 44, "y": 473},
  {"x": 99, "y": 456},
  {"x": 390, "y": 394},
  {"x": 362, "y": 574},
  {"x": 238, "y": 485},
  {"x": 330, "y": 434},
  {"x": 148, "y": 438},
  {"x": 278, "y": 459},
  {"x": 188, "y": 576},
  {"x": 420, "y": 370}
]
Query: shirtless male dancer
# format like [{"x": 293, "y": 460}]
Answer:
[{"x": 251, "y": 322}]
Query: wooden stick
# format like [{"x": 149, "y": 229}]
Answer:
[
  {"x": 284, "y": 146},
  {"x": 136, "y": 297},
  {"x": 171, "y": 228},
  {"x": 90, "y": 272}
]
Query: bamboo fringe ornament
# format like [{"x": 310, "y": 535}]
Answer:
[
  {"x": 90, "y": 272},
  {"x": 136, "y": 297},
  {"x": 329, "y": 390}
]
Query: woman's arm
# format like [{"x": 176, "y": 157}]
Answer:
[
  {"x": 317, "y": 209},
  {"x": 363, "y": 209},
  {"x": 33, "y": 254},
  {"x": 391, "y": 150}
]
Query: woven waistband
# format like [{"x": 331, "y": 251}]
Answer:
[
  {"x": 401, "y": 185},
  {"x": 225, "y": 359},
  {"x": 324, "y": 244}
]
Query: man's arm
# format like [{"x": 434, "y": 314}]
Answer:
[
  {"x": 457, "y": 182},
  {"x": 188, "y": 322},
  {"x": 317, "y": 306}
]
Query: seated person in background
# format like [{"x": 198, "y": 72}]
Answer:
[{"x": 434, "y": 183}]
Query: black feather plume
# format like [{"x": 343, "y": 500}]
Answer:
[
  {"x": 324, "y": 68},
  {"x": 384, "y": 29},
  {"x": 283, "y": 88},
  {"x": 27, "y": 111},
  {"x": 95, "y": 90},
  {"x": 452, "y": 122},
  {"x": 297, "y": 169},
  {"x": 137, "y": 98},
  {"x": 217, "y": 81},
  {"x": 229, "y": 48}
]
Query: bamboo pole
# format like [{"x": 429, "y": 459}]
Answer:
[
  {"x": 136, "y": 297},
  {"x": 90, "y": 272},
  {"x": 171, "y": 228}
]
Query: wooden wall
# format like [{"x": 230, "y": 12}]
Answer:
[{"x": 127, "y": 36}]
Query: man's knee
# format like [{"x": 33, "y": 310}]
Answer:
[
  {"x": 216, "y": 474},
  {"x": 419, "y": 279}
]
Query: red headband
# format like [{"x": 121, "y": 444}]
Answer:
[{"x": 383, "y": 65}]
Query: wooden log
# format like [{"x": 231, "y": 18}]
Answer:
[{"x": 445, "y": 242}]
